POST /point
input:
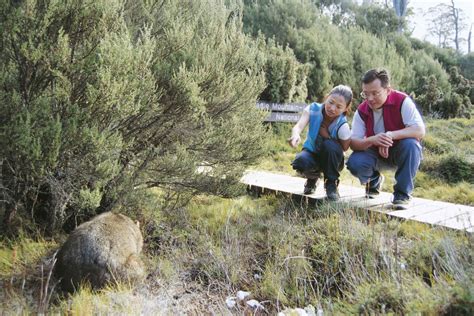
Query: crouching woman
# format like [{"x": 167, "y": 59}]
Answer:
[{"x": 328, "y": 137}]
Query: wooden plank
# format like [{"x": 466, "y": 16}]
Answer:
[
  {"x": 462, "y": 221},
  {"x": 421, "y": 207},
  {"x": 281, "y": 107},
  {"x": 458, "y": 217},
  {"x": 423, "y": 210}
]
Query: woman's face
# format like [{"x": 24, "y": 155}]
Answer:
[{"x": 335, "y": 105}]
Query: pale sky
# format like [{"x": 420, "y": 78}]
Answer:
[{"x": 421, "y": 20}]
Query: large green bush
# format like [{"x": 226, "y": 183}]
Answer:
[
  {"x": 286, "y": 77},
  {"x": 100, "y": 98},
  {"x": 341, "y": 41}
]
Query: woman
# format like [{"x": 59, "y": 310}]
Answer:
[{"x": 329, "y": 135}]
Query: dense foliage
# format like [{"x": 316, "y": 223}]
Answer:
[
  {"x": 101, "y": 97},
  {"x": 340, "y": 40}
]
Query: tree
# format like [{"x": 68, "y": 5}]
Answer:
[
  {"x": 469, "y": 39},
  {"x": 447, "y": 23},
  {"x": 378, "y": 20},
  {"x": 431, "y": 97},
  {"x": 457, "y": 103},
  {"x": 286, "y": 77},
  {"x": 100, "y": 98}
]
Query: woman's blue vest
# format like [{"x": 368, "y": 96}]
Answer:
[{"x": 313, "y": 139}]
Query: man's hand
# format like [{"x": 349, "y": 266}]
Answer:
[
  {"x": 383, "y": 151},
  {"x": 382, "y": 140},
  {"x": 294, "y": 140}
]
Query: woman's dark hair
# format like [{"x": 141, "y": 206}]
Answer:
[
  {"x": 378, "y": 73},
  {"x": 343, "y": 91}
]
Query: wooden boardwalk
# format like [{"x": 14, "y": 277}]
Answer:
[{"x": 450, "y": 215}]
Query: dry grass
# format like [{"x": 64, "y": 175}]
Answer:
[{"x": 332, "y": 257}]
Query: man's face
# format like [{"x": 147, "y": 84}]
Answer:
[{"x": 375, "y": 94}]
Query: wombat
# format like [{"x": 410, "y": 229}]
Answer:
[{"x": 100, "y": 251}]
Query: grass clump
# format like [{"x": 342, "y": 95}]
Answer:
[
  {"x": 449, "y": 155},
  {"x": 333, "y": 257},
  {"x": 25, "y": 267}
]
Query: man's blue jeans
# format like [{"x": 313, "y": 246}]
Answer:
[{"x": 406, "y": 155}]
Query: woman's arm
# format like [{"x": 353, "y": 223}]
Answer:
[
  {"x": 344, "y": 136},
  {"x": 295, "y": 138},
  {"x": 345, "y": 144}
]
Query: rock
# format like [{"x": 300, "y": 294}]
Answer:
[{"x": 100, "y": 251}]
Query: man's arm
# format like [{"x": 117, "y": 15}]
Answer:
[
  {"x": 386, "y": 139},
  {"x": 379, "y": 140},
  {"x": 414, "y": 131},
  {"x": 415, "y": 128},
  {"x": 360, "y": 142}
]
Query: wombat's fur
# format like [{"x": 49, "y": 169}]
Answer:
[{"x": 99, "y": 251}]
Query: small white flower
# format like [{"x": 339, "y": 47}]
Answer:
[
  {"x": 254, "y": 304},
  {"x": 257, "y": 276},
  {"x": 403, "y": 266},
  {"x": 241, "y": 295},
  {"x": 301, "y": 312},
  {"x": 230, "y": 302}
]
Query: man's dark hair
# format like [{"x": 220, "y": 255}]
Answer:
[{"x": 378, "y": 73}]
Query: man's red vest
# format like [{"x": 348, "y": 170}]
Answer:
[{"x": 392, "y": 115}]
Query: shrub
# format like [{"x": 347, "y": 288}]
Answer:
[
  {"x": 286, "y": 77},
  {"x": 454, "y": 168},
  {"x": 100, "y": 98}
]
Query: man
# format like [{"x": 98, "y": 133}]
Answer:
[{"x": 386, "y": 126}]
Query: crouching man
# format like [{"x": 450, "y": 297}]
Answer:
[{"x": 386, "y": 126}]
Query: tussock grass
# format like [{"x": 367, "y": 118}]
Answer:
[
  {"x": 332, "y": 256},
  {"x": 117, "y": 299},
  {"x": 25, "y": 273}
]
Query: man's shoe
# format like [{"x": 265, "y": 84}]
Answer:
[
  {"x": 401, "y": 201},
  {"x": 310, "y": 186},
  {"x": 373, "y": 187},
  {"x": 331, "y": 189}
]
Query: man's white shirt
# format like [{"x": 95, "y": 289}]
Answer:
[{"x": 410, "y": 117}]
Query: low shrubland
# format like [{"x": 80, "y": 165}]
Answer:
[
  {"x": 331, "y": 256},
  {"x": 287, "y": 254},
  {"x": 120, "y": 115}
]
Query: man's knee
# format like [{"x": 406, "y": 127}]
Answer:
[
  {"x": 353, "y": 163},
  {"x": 409, "y": 145}
]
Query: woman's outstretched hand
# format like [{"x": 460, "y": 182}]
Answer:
[{"x": 294, "y": 140}]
